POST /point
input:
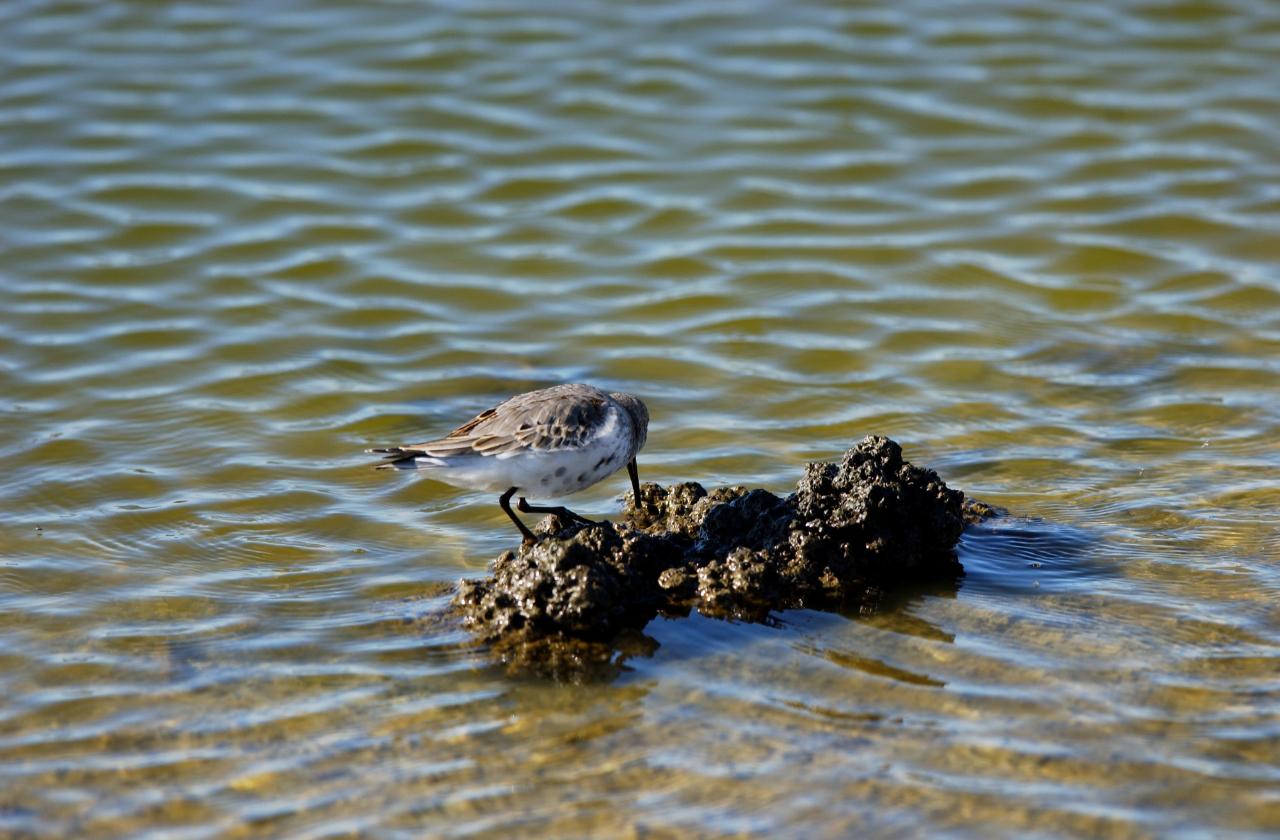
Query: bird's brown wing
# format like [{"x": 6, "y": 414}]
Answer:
[{"x": 554, "y": 418}]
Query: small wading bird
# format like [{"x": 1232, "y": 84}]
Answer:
[{"x": 552, "y": 442}]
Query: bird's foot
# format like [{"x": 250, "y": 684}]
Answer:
[{"x": 563, "y": 512}]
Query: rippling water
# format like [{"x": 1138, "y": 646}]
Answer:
[{"x": 1037, "y": 245}]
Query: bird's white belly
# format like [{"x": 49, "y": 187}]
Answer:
[{"x": 550, "y": 475}]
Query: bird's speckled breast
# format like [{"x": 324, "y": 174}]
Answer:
[{"x": 563, "y": 472}]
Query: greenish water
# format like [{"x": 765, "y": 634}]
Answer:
[{"x": 1036, "y": 244}]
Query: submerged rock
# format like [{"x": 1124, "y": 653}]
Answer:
[{"x": 849, "y": 531}]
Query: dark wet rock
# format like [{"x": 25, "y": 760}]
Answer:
[
  {"x": 587, "y": 581},
  {"x": 849, "y": 531},
  {"x": 976, "y": 512}
]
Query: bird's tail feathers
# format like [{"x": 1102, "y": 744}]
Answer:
[{"x": 398, "y": 458}]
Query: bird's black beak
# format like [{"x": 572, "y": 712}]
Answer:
[{"x": 635, "y": 481}]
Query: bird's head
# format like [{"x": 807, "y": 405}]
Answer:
[{"x": 639, "y": 417}]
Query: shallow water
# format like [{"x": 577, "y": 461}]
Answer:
[{"x": 241, "y": 242}]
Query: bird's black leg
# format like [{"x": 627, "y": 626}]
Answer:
[
  {"x": 505, "y": 502},
  {"x": 634, "y": 472},
  {"x": 563, "y": 512}
]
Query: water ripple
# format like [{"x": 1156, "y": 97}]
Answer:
[{"x": 1035, "y": 245}]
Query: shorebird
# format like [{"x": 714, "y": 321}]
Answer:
[{"x": 552, "y": 442}]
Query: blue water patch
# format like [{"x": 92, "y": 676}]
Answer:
[{"x": 1015, "y": 555}]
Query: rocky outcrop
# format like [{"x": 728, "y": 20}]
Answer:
[{"x": 849, "y": 531}]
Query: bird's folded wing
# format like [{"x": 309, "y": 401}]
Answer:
[{"x": 542, "y": 424}]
